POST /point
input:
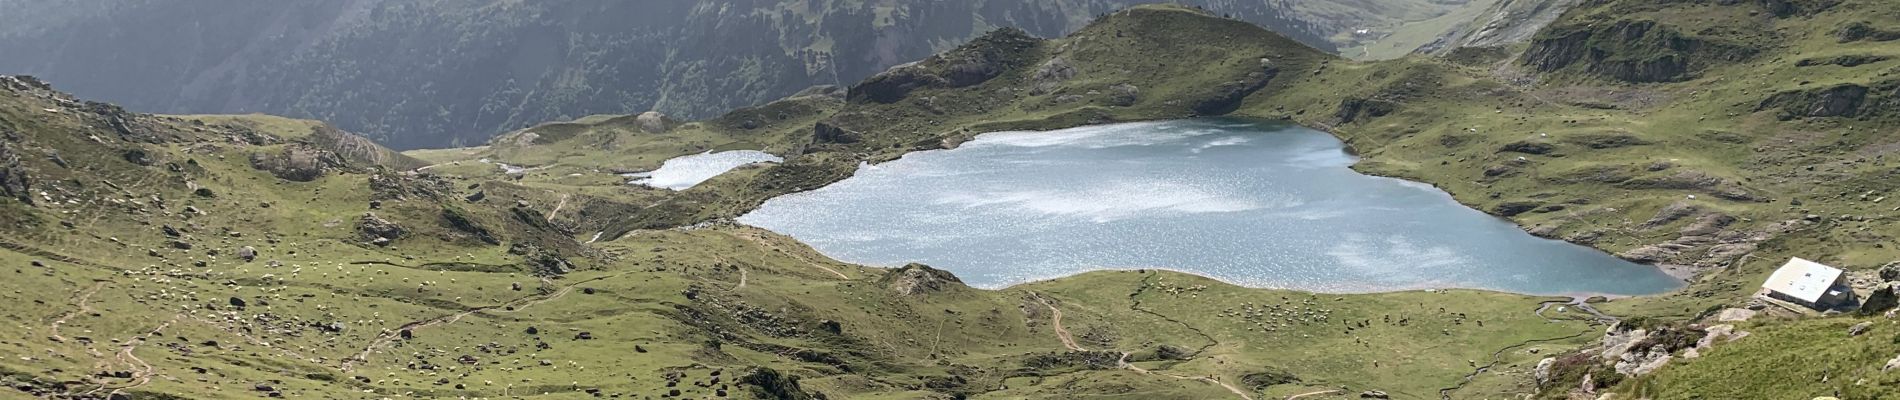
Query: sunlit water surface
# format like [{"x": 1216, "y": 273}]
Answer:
[{"x": 1261, "y": 205}]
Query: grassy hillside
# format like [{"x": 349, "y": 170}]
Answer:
[{"x": 373, "y": 276}]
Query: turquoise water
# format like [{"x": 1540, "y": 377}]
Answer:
[{"x": 1255, "y": 204}]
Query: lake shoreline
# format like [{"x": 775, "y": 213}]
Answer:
[{"x": 1250, "y": 125}]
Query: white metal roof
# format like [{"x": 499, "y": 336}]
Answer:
[{"x": 1802, "y": 279}]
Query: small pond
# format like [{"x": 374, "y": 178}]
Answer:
[{"x": 683, "y": 172}]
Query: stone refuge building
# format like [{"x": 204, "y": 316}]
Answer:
[{"x": 1808, "y": 283}]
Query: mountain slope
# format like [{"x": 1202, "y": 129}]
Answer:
[
  {"x": 561, "y": 281},
  {"x": 413, "y": 73}
]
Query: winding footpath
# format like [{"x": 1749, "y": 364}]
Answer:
[
  {"x": 1068, "y": 341},
  {"x": 801, "y": 257},
  {"x": 83, "y": 301}
]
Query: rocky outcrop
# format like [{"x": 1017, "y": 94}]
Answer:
[
  {"x": 459, "y": 221},
  {"x": 14, "y": 181},
  {"x": 826, "y": 132},
  {"x": 1527, "y": 147},
  {"x": 1513, "y": 208},
  {"x": 297, "y": 162},
  {"x": 1354, "y": 109},
  {"x": 767, "y": 383},
  {"x": 377, "y": 230},
  {"x": 1123, "y": 95},
  {"x": 358, "y": 150},
  {"x": 918, "y": 279},
  {"x": 973, "y": 63},
  {"x": 1863, "y": 30},
  {"x": 1627, "y": 50},
  {"x": 1851, "y": 60},
  {"x": 1227, "y": 97},
  {"x": 1050, "y": 75},
  {"x": 653, "y": 122},
  {"x": 1843, "y": 100},
  {"x": 1263, "y": 379},
  {"x": 1885, "y": 297}
]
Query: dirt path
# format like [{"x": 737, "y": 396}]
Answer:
[
  {"x": 557, "y": 207},
  {"x": 1055, "y": 323},
  {"x": 800, "y": 257},
  {"x": 1322, "y": 392},
  {"x": 1446, "y": 392},
  {"x": 84, "y": 307},
  {"x": 141, "y": 371},
  {"x": 1068, "y": 341}
]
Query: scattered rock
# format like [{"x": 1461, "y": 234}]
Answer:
[
  {"x": 1859, "y": 328},
  {"x": 1374, "y": 394}
]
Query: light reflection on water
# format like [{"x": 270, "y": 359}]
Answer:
[{"x": 1259, "y": 205}]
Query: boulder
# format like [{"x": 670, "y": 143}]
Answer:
[
  {"x": 373, "y": 228},
  {"x": 1860, "y": 328},
  {"x": 1542, "y": 371},
  {"x": 247, "y": 253},
  {"x": 1883, "y": 298}
]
